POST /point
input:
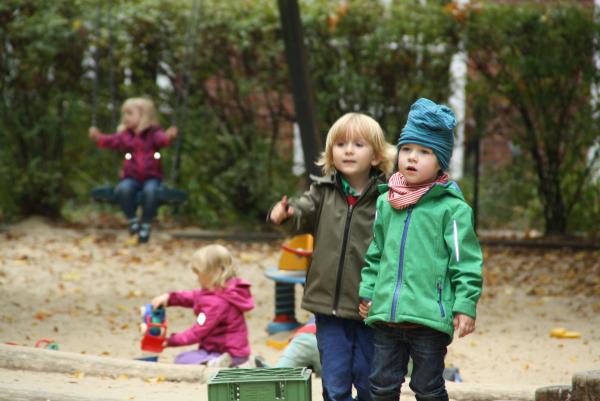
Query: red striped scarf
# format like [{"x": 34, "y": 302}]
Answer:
[{"x": 401, "y": 194}]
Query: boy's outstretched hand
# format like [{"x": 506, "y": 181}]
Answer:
[
  {"x": 363, "y": 308},
  {"x": 463, "y": 324},
  {"x": 281, "y": 211},
  {"x": 94, "y": 133},
  {"x": 160, "y": 300},
  {"x": 171, "y": 132}
]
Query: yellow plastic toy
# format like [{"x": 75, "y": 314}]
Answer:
[
  {"x": 297, "y": 253},
  {"x": 561, "y": 332}
]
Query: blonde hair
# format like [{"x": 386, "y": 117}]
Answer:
[
  {"x": 351, "y": 125},
  {"x": 215, "y": 263},
  {"x": 148, "y": 114}
]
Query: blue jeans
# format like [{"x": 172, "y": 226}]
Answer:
[
  {"x": 126, "y": 194},
  {"x": 346, "y": 349},
  {"x": 393, "y": 346}
]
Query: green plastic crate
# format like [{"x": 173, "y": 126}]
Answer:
[{"x": 277, "y": 384}]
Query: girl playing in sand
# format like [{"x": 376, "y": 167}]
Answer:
[
  {"x": 220, "y": 329},
  {"x": 141, "y": 138}
]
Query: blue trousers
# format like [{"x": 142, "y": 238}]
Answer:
[
  {"x": 346, "y": 349},
  {"x": 127, "y": 191},
  {"x": 393, "y": 346}
]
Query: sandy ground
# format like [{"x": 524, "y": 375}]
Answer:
[{"x": 82, "y": 288}]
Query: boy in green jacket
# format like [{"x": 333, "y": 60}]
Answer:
[{"x": 422, "y": 278}]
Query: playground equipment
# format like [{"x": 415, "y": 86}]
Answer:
[
  {"x": 154, "y": 329},
  {"x": 291, "y": 270},
  {"x": 167, "y": 195}
]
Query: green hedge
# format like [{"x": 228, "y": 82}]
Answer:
[{"x": 235, "y": 160}]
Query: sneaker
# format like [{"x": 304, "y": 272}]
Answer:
[
  {"x": 134, "y": 226},
  {"x": 222, "y": 361},
  {"x": 260, "y": 362},
  {"x": 144, "y": 233}
]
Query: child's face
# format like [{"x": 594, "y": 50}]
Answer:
[
  {"x": 131, "y": 117},
  {"x": 353, "y": 156},
  {"x": 417, "y": 164},
  {"x": 203, "y": 280}
]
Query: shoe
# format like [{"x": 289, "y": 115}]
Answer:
[
  {"x": 222, "y": 361},
  {"x": 144, "y": 233},
  {"x": 134, "y": 226},
  {"x": 260, "y": 362}
]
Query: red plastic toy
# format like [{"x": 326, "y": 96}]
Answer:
[{"x": 154, "y": 328}]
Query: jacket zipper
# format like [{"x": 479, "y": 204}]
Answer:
[
  {"x": 441, "y": 305},
  {"x": 338, "y": 280},
  {"x": 400, "y": 266}
]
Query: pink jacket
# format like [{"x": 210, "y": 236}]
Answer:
[
  {"x": 141, "y": 164},
  {"x": 220, "y": 325}
]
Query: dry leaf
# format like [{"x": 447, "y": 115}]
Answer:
[{"x": 158, "y": 379}]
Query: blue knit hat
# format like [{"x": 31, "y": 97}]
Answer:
[{"x": 430, "y": 125}]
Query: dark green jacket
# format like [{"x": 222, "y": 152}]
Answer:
[
  {"x": 342, "y": 235},
  {"x": 424, "y": 264}
]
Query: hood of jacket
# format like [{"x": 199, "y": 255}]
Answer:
[{"x": 237, "y": 293}]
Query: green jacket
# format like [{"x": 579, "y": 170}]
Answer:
[
  {"x": 341, "y": 237},
  {"x": 424, "y": 264}
]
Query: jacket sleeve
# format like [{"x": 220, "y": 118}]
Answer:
[
  {"x": 181, "y": 298},
  {"x": 466, "y": 261},
  {"x": 213, "y": 313},
  {"x": 372, "y": 258},
  {"x": 306, "y": 209},
  {"x": 161, "y": 139},
  {"x": 113, "y": 141}
]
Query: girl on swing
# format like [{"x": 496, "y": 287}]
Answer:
[{"x": 141, "y": 138}]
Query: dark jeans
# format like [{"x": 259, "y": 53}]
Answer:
[
  {"x": 346, "y": 349},
  {"x": 127, "y": 191},
  {"x": 393, "y": 346}
]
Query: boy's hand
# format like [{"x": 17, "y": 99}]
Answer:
[
  {"x": 363, "y": 308},
  {"x": 463, "y": 324},
  {"x": 94, "y": 133},
  {"x": 171, "y": 132},
  {"x": 160, "y": 300},
  {"x": 281, "y": 211}
]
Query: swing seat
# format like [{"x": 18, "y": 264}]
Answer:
[{"x": 166, "y": 195}]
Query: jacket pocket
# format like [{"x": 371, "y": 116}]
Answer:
[{"x": 439, "y": 300}]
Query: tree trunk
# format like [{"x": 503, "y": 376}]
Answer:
[
  {"x": 553, "y": 393},
  {"x": 586, "y": 386}
]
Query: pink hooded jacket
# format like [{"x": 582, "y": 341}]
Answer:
[{"x": 220, "y": 325}]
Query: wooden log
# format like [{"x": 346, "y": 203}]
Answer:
[
  {"x": 43, "y": 360},
  {"x": 586, "y": 386},
  {"x": 553, "y": 393}
]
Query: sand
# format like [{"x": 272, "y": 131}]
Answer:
[{"x": 82, "y": 288}]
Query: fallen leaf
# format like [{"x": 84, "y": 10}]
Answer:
[
  {"x": 158, "y": 379},
  {"x": 71, "y": 276}
]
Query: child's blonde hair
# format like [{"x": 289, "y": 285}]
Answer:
[
  {"x": 215, "y": 263},
  {"x": 148, "y": 115},
  {"x": 351, "y": 125}
]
